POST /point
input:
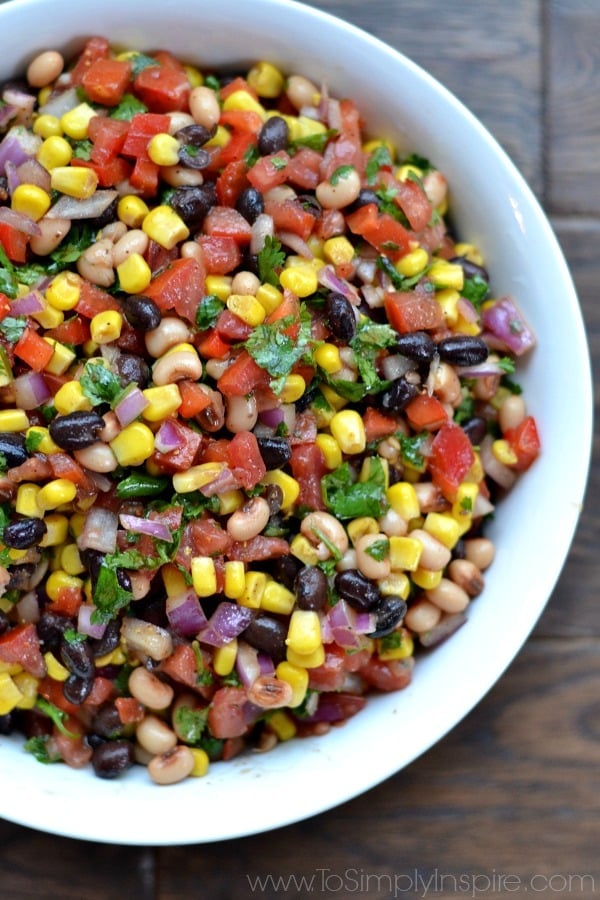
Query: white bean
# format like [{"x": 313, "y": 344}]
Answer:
[
  {"x": 301, "y": 92},
  {"x": 480, "y": 551},
  {"x": 345, "y": 190},
  {"x": 97, "y": 457},
  {"x": 245, "y": 283},
  {"x": 466, "y": 575},
  {"x": 133, "y": 241},
  {"x": 154, "y": 735},
  {"x": 45, "y": 68},
  {"x": 192, "y": 250},
  {"x": 511, "y": 413},
  {"x": 422, "y": 615},
  {"x": 52, "y": 233},
  {"x": 204, "y": 106},
  {"x": 435, "y": 556},
  {"x": 448, "y": 596},
  {"x": 180, "y": 176},
  {"x": 146, "y": 687},
  {"x": 179, "y": 120},
  {"x": 95, "y": 263}
]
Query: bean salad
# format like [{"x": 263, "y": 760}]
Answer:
[{"x": 257, "y": 404}]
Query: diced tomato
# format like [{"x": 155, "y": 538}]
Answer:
[
  {"x": 242, "y": 377},
  {"x": 241, "y": 120},
  {"x": 410, "y": 197},
  {"x": 388, "y": 675},
  {"x": 426, "y": 412},
  {"x": 269, "y": 171},
  {"x": 203, "y": 537},
  {"x": 102, "y": 690},
  {"x": 380, "y": 230},
  {"x": 107, "y": 136},
  {"x": 21, "y": 645},
  {"x": 15, "y": 243},
  {"x": 166, "y": 58},
  {"x": 259, "y": 548},
  {"x": 289, "y": 308},
  {"x": 158, "y": 257},
  {"x": 34, "y": 350},
  {"x": 182, "y": 667},
  {"x": 220, "y": 254},
  {"x": 245, "y": 459},
  {"x": 211, "y": 345},
  {"x": 231, "y": 328},
  {"x": 72, "y": 331},
  {"x": 194, "y": 398},
  {"x": 144, "y": 176},
  {"x": 163, "y": 88},
  {"x": 130, "y": 710},
  {"x": 336, "y": 706},
  {"x": 93, "y": 300},
  {"x": 109, "y": 173},
  {"x": 525, "y": 442},
  {"x": 308, "y": 468},
  {"x": 4, "y": 306},
  {"x": 231, "y": 182},
  {"x": 450, "y": 459},
  {"x": 226, "y": 713},
  {"x": 290, "y": 215},
  {"x": 96, "y": 48},
  {"x": 179, "y": 287},
  {"x": 351, "y": 126},
  {"x": 223, "y": 221},
  {"x": 68, "y": 601},
  {"x": 142, "y": 128},
  {"x": 416, "y": 310},
  {"x": 235, "y": 149},
  {"x": 331, "y": 674},
  {"x": 106, "y": 80},
  {"x": 182, "y": 457},
  {"x": 75, "y": 752},
  {"x": 345, "y": 150},
  {"x": 64, "y": 466},
  {"x": 304, "y": 168},
  {"x": 377, "y": 424},
  {"x": 237, "y": 84}
]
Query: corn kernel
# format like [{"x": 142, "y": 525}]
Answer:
[
  {"x": 47, "y": 126},
  {"x": 196, "y": 477},
  {"x": 405, "y": 553},
  {"x": 305, "y": 126},
  {"x": 229, "y": 501},
  {"x": 134, "y": 274},
  {"x": 54, "y": 152},
  {"x": 26, "y": 501},
  {"x": 78, "y": 182},
  {"x": 10, "y": 668},
  {"x": 348, "y": 429},
  {"x": 408, "y": 170},
  {"x": 448, "y": 300},
  {"x": 201, "y": 762},
  {"x": 234, "y": 579},
  {"x": 58, "y": 581},
  {"x": 64, "y": 291},
  {"x": 28, "y": 686},
  {"x": 13, "y": 420},
  {"x": 412, "y": 263},
  {"x": 220, "y": 138},
  {"x": 48, "y": 317},
  {"x": 219, "y": 285},
  {"x": 56, "y": 670},
  {"x": 463, "y": 505},
  {"x": 266, "y": 80},
  {"x": 41, "y": 436},
  {"x": 302, "y": 549},
  {"x": 333, "y": 399},
  {"x": 132, "y": 210},
  {"x": 290, "y": 488},
  {"x": 71, "y": 560},
  {"x": 277, "y": 599},
  {"x": 395, "y": 584},
  {"x": 31, "y": 200},
  {"x": 55, "y": 493},
  {"x": 133, "y": 445},
  {"x": 293, "y": 388},
  {"x": 306, "y": 660},
  {"x": 224, "y": 658},
  {"x": 163, "y": 149},
  {"x": 70, "y": 398},
  {"x": 443, "y": 527},
  {"x": 10, "y": 695},
  {"x": 377, "y": 143},
  {"x": 204, "y": 576},
  {"x": 75, "y": 122},
  {"x": 300, "y": 280},
  {"x": 282, "y": 725},
  {"x": 57, "y": 530},
  {"x": 338, "y": 250},
  {"x": 504, "y": 453},
  {"x": 444, "y": 274},
  {"x": 470, "y": 251},
  {"x": 327, "y": 356},
  {"x": 106, "y": 326},
  {"x": 254, "y": 588},
  {"x": 115, "y": 658},
  {"x": 304, "y": 631},
  {"x": 163, "y": 225},
  {"x": 247, "y": 308},
  {"x": 269, "y": 297},
  {"x": 368, "y": 470},
  {"x": 61, "y": 358},
  {"x": 296, "y": 677},
  {"x": 426, "y": 578},
  {"x": 357, "y": 528},
  {"x": 243, "y": 101},
  {"x": 397, "y": 645},
  {"x": 330, "y": 449}
]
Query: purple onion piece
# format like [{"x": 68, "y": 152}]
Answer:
[
  {"x": 506, "y": 321},
  {"x": 227, "y": 621}
]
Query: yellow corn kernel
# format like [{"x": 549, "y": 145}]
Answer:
[
  {"x": 173, "y": 580},
  {"x": 219, "y": 285},
  {"x": 396, "y": 584},
  {"x": 56, "y": 493},
  {"x": 334, "y": 400},
  {"x": 306, "y": 660},
  {"x": 40, "y": 436},
  {"x": 282, "y": 725},
  {"x": 77, "y": 182},
  {"x": 59, "y": 580},
  {"x": 300, "y": 279},
  {"x": 266, "y": 80},
  {"x": 504, "y": 453},
  {"x": 305, "y": 126},
  {"x": 476, "y": 472},
  {"x": 10, "y": 695},
  {"x": 327, "y": 356},
  {"x": 247, "y": 308},
  {"x": 348, "y": 429},
  {"x": 426, "y": 578},
  {"x": 76, "y": 524},
  {"x": 377, "y": 143},
  {"x": 133, "y": 445},
  {"x": 302, "y": 549},
  {"x": 163, "y": 149},
  {"x": 10, "y": 668},
  {"x": 13, "y": 420},
  {"x": 196, "y": 477},
  {"x": 397, "y": 645},
  {"x": 31, "y": 200},
  {"x": 304, "y": 631},
  {"x": 330, "y": 449},
  {"x": 70, "y": 398},
  {"x": 296, "y": 677},
  {"x": 64, "y": 290},
  {"x": 413, "y": 262},
  {"x": 57, "y": 530},
  {"x": 357, "y": 528},
  {"x": 244, "y": 101},
  {"x": 56, "y": 670},
  {"x": 254, "y": 588},
  {"x": 405, "y": 553},
  {"x": 71, "y": 560},
  {"x": 367, "y": 470},
  {"x": 445, "y": 274},
  {"x": 269, "y": 297},
  {"x": 48, "y": 317},
  {"x": 194, "y": 76},
  {"x": 403, "y": 499},
  {"x": 293, "y": 388},
  {"x": 338, "y": 250},
  {"x": 55, "y": 152},
  {"x": 115, "y": 658},
  {"x": 163, "y": 225},
  {"x": 132, "y": 210},
  {"x": 204, "y": 576},
  {"x": 443, "y": 527},
  {"x": 290, "y": 488},
  {"x": 47, "y": 126},
  {"x": 220, "y": 138},
  {"x": 201, "y": 762},
  {"x": 106, "y": 326},
  {"x": 463, "y": 505},
  {"x": 75, "y": 122},
  {"x": 134, "y": 274},
  {"x": 234, "y": 579},
  {"x": 464, "y": 326},
  {"x": 28, "y": 686},
  {"x": 277, "y": 599},
  {"x": 448, "y": 299},
  {"x": 44, "y": 95},
  {"x": 224, "y": 658},
  {"x": 229, "y": 501},
  {"x": 61, "y": 358},
  {"x": 26, "y": 502},
  {"x": 470, "y": 251}
]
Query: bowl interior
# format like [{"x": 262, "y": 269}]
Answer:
[{"x": 494, "y": 208}]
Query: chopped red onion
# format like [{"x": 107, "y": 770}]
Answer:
[
  {"x": 498, "y": 472},
  {"x": 335, "y": 706},
  {"x": 19, "y": 221},
  {"x": 295, "y": 243},
  {"x": 7, "y": 112},
  {"x": 467, "y": 310},
  {"x": 151, "y": 527},
  {"x": 12, "y": 177},
  {"x": 185, "y": 614},
  {"x": 227, "y": 621},
  {"x": 167, "y": 437},
  {"x": 490, "y": 367},
  {"x": 28, "y": 607},
  {"x": 101, "y": 482},
  {"x": 447, "y": 626},
  {"x": 506, "y": 321},
  {"x": 267, "y": 666},
  {"x": 18, "y": 145},
  {"x": 130, "y": 406},
  {"x": 247, "y": 663},
  {"x": 85, "y": 624},
  {"x": 346, "y": 626},
  {"x": 70, "y": 208},
  {"x": 328, "y": 278},
  {"x": 60, "y": 103},
  {"x": 262, "y": 227},
  {"x": 21, "y": 101},
  {"x": 25, "y": 306},
  {"x": 33, "y": 172},
  {"x": 271, "y": 417},
  {"x": 396, "y": 365},
  {"x": 373, "y": 296},
  {"x": 99, "y": 530},
  {"x": 31, "y": 390}
]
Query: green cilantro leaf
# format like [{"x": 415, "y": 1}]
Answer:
[
  {"x": 475, "y": 290},
  {"x": 109, "y": 595},
  {"x": 128, "y": 107},
  {"x": 12, "y": 327},
  {"x": 419, "y": 162},
  {"x": 465, "y": 410},
  {"x": 82, "y": 149},
  {"x": 141, "y": 61},
  {"x": 212, "y": 82},
  {"x": 316, "y": 142},
  {"x": 270, "y": 260},
  {"x": 340, "y": 172},
  {"x": 507, "y": 364},
  {"x": 251, "y": 156},
  {"x": 3, "y": 463},
  {"x": 99, "y": 384},
  {"x": 370, "y": 338},
  {"x": 278, "y": 162},
  {"x": 38, "y": 747},
  {"x": 348, "y": 498},
  {"x": 32, "y": 273},
  {"x": 9, "y": 284},
  {"x": 57, "y": 715},
  {"x": 380, "y": 158},
  {"x": 79, "y": 238},
  {"x": 208, "y": 311},
  {"x": 379, "y": 549},
  {"x": 411, "y": 448},
  {"x": 275, "y": 351},
  {"x": 190, "y": 723}
]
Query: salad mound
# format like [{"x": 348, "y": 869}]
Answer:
[{"x": 257, "y": 403}]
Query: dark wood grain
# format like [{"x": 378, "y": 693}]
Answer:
[{"x": 513, "y": 791}]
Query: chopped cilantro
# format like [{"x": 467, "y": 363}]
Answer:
[
  {"x": 370, "y": 338},
  {"x": 251, "y": 156},
  {"x": 99, "y": 384},
  {"x": 275, "y": 351},
  {"x": 80, "y": 237},
  {"x": 203, "y": 675},
  {"x": 129, "y": 107},
  {"x": 109, "y": 594},
  {"x": 195, "y": 503},
  {"x": 12, "y": 327},
  {"x": 270, "y": 259},
  {"x": 419, "y": 162},
  {"x": 387, "y": 204},
  {"x": 391, "y": 641},
  {"x": 82, "y": 149},
  {"x": 141, "y": 61},
  {"x": 212, "y": 82},
  {"x": 466, "y": 504},
  {"x": 278, "y": 162},
  {"x": 57, "y": 715},
  {"x": 141, "y": 485},
  {"x": 8, "y": 279},
  {"x": 3, "y": 463},
  {"x": 348, "y": 498},
  {"x": 411, "y": 448},
  {"x": 465, "y": 410},
  {"x": 32, "y": 273},
  {"x": 507, "y": 364},
  {"x": 190, "y": 723},
  {"x": 38, "y": 747},
  {"x": 208, "y": 311},
  {"x": 316, "y": 142},
  {"x": 72, "y": 636},
  {"x": 340, "y": 172},
  {"x": 380, "y": 158},
  {"x": 379, "y": 549},
  {"x": 475, "y": 290}
]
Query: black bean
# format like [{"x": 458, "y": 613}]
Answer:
[
  {"x": 476, "y": 429},
  {"x": 132, "y": 369},
  {"x": 340, "y": 316},
  {"x": 12, "y": 448},
  {"x": 365, "y": 197},
  {"x": 195, "y": 134},
  {"x": 273, "y": 136},
  {"x": 77, "y": 656},
  {"x": 77, "y": 689},
  {"x": 193, "y": 203},
  {"x": 311, "y": 588},
  {"x": 359, "y": 591},
  {"x": 310, "y": 203},
  {"x": 112, "y": 758},
  {"x": 284, "y": 569},
  {"x": 388, "y": 615},
  {"x": 463, "y": 350},
  {"x": 4, "y": 622},
  {"x": 274, "y": 497},
  {"x": 267, "y": 634},
  {"x": 24, "y": 533},
  {"x": 397, "y": 395},
  {"x": 109, "y": 641},
  {"x": 193, "y": 157},
  {"x": 20, "y": 576},
  {"x": 141, "y": 312},
  {"x": 471, "y": 269},
  {"x": 416, "y": 345},
  {"x": 250, "y": 204},
  {"x": 275, "y": 451},
  {"x": 6, "y": 723},
  {"x": 76, "y": 430},
  {"x": 106, "y": 722},
  {"x": 50, "y": 629}
]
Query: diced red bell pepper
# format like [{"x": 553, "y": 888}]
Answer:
[
  {"x": 145, "y": 176},
  {"x": 96, "y": 48},
  {"x": 223, "y": 221},
  {"x": 304, "y": 168},
  {"x": 163, "y": 88},
  {"x": 241, "y": 120},
  {"x": 194, "y": 398},
  {"x": 524, "y": 440},
  {"x": 109, "y": 173},
  {"x": 74, "y": 331},
  {"x": 231, "y": 182},
  {"x": 21, "y": 645},
  {"x": 450, "y": 459},
  {"x": 34, "y": 350},
  {"x": 180, "y": 287},
  {"x": 4, "y": 306},
  {"x": 237, "y": 84},
  {"x": 377, "y": 424},
  {"x": 15, "y": 243},
  {"x": 220, "y": 254},
  {"x": 416, "y": 310},
  {"x": 380, "y": 230},
  {"x": 426, "y": 412},
  {"x": 269, "y": 171},
  {"x": 235, "y": 149},
  {"x": 211, "y": 345},
  {"x": 106, "y": 80}
]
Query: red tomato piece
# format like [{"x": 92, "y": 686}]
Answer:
[
  {"x": 220, "y": 254},
  {"x": 377, "y": 424},
  {"x": 388, "y": 675},
  {"x": 4, "y": 306},
  {"x": 245, "y": 459},
  {"x": 380, "y": 230},
  {"x": 289, "y": 308},
  {"x": 109, "y": 173},
  {"x": 269, "y": 171},
  {"x": 241, "y": 120},
  {"x": 163, "y": 88},
  {"x": 451, "y": 458},
  {"x": 237, "y": 84},
  {"x": 34, "y": 350},
  {"x": 259, "y": 548},
  {"x": 21, "y": 645},
  {"x": 231, "y": 328},
  {"x": 144, "y": 176},
  {"x": 130, "y": 710},
  {"x": 68, "y": 601},
  {"x": 242, "y": 377},
  {"x": 211, "y": 345},
  {"x": 414, "y": 310},
  {"x": 308, "y": 468},
  {"x": 142, "y": 128},
  {"x": 304, "y": 168},
  {"x": 194, "y": 398},
  {"x": 525, "y": 442},
  {"x": 15, "y": 243},
  {"x": 72, "y": 331},
  {"x": 331, "y": 674},
  {"x": 223, "y": 221},
  {"x": 102, "y": 690},
  {"x": 96, "y": 48},
  {"x": 106, "y": 80},
  {"x": 226, "y": 713},
  {"x": 181, "y": 458},
  {"x": 235, "y": 149},
  {"x": 426, "y": 412},
  {"x": 231, "y": 182},
  {"x": 410, "y": 197},
  {"x": 180, "y": 287},
  {"x": 290, "y": 215},
  {"x": 107, "y": 136}
]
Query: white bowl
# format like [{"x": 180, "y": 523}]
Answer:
[{"x": 533, "y": 527}]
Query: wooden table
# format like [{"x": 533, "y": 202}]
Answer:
[{"x": 508, "y": 803}]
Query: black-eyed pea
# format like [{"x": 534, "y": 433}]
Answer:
[
  {"x": 154, "y": 735},
  {"x": 446, "y": 384},
  {"x": 435, "y": 556},
  {"x": 114, "y": 231},
  {"x": 249, "y": 520},
  {"x": 111, "y": 428},
  {"x": 326, "y": 533},
  {"x": 173, "y": 766},
  {"x": 422, "y": 616},
  {"x": 171, "y": 331},
  {"x": 175, "y": 366},
  {"x": 150, "y": 690},
  {"x": 140, "y": 585},
  {"x": 480, "y": 551},
  {"x": 270, "y": 692},
  {"x": 241, "y": 413},
  {"x": 448, "y": 596},
  {"x": 393, "y": 524},
  {"x": 466, "y": 575},
  {"x": 372, "y": 556},
  {"x": 347, "y": 562}
]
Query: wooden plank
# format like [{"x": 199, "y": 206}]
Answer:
[{"x": 573, "y": 97}]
